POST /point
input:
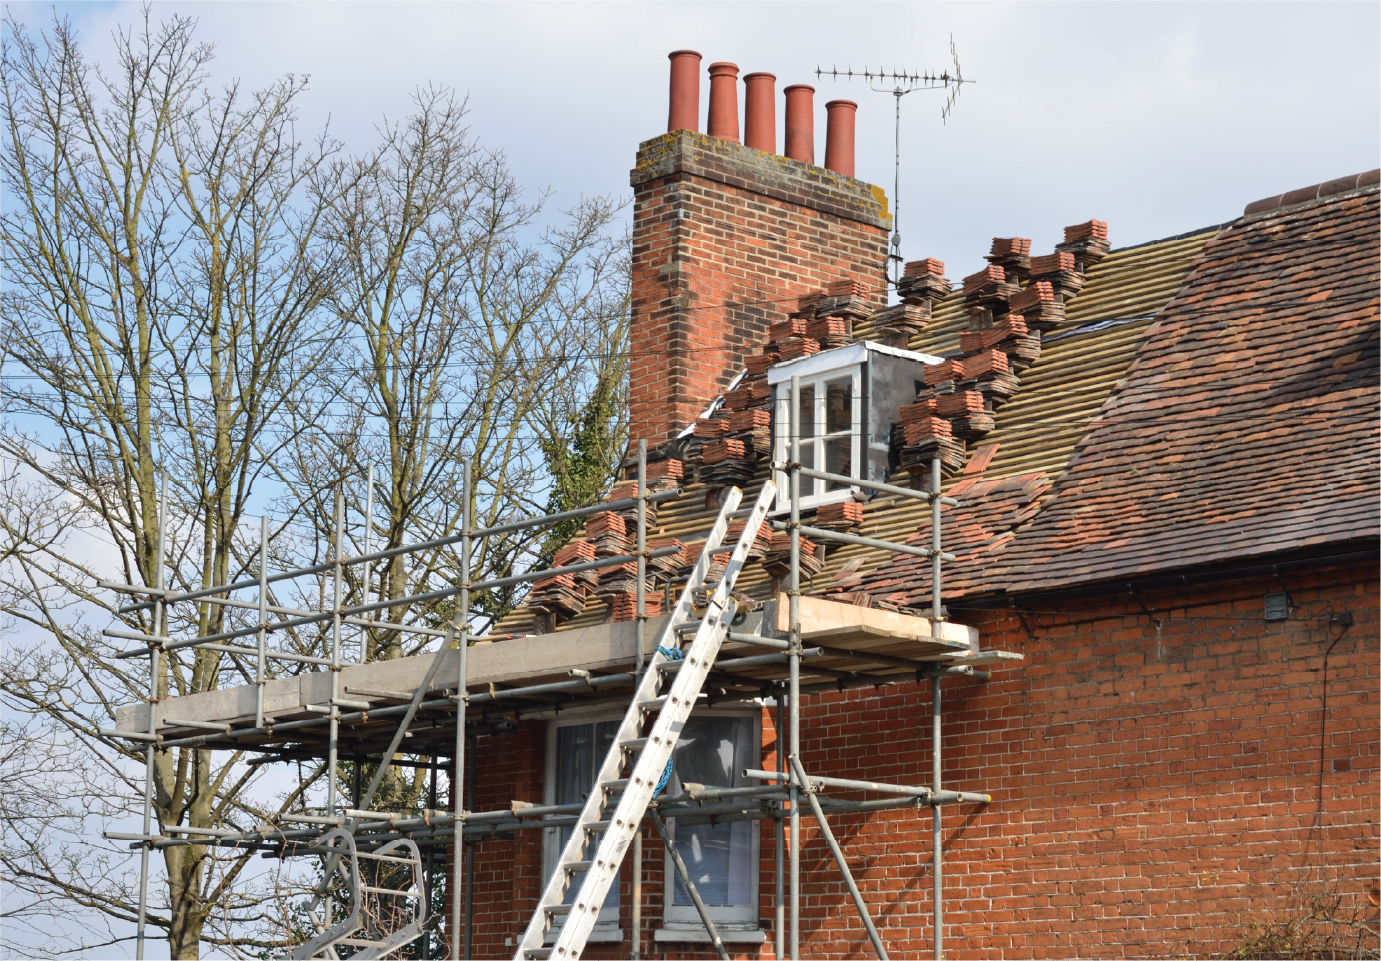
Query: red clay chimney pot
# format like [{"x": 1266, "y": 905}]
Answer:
[
  {"x": 839, "y": 136},
  {"x": 723, "y": 122},
  {"x": 684, "y": 112},
  {"x": 760, "y": 112},
  {"x": 800, "y": 123}
]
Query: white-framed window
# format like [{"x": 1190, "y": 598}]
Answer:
[
  {"x": 722, "y": 859},
  {"x": 714, "y": 749},
  {"x": 575, "y": 749},
  {"x": 830, "y": 415}
]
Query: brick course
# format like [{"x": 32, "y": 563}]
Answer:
[{"x": 724, "y": 239}]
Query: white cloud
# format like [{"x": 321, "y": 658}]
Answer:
[{"x": 1158, "y": 118}]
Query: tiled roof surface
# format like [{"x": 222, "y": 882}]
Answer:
[
  {"x": 976, "y": 532},
  {"x": 1247, "y": 424}
]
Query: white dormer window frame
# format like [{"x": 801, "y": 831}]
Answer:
[{"x": 832, "y": 434}]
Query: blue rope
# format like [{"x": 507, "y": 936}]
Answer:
[{"x": 671, "y": 654}]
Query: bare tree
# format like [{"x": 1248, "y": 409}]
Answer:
[
  {"x": 191, "y": 294},
  {"x": 164, "y": 273},
  {"x": 582, "y": 420},
  {"x": 467, "y": 320}
]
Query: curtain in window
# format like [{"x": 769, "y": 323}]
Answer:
[
  {"x": 579, "y": 750},
  {"x": 714, "y": 751}
]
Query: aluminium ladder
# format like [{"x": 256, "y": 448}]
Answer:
[{"x": 634, "y": 792}]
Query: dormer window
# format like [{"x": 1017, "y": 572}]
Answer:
[
  {"x": 830, "y": 416},
  {"x": 848, "y": 402}
]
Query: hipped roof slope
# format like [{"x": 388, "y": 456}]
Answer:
[{"x": 1246, "y": 425}]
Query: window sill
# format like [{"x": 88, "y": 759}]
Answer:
[
  {"x": 606, "y": 934},
  {"x": 727, "y": 934}
]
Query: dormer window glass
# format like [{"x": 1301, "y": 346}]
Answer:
[{"x": 830, "y": 416}]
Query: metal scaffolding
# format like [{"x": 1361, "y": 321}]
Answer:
[{"x": 439, "y": 708}]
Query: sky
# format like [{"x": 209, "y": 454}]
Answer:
[{"x": 1158, "y": 118}]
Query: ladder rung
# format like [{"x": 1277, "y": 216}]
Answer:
[
  {"x": 688, "y": 627},
  {"x": 653, "y": 703},
  {"x": 634, "y": 744},
  {"x": 401, "y": 892},
  {"x": 575, "y": 867},
  {"x": 598, "y": 827},
  {"x": 618, "y": 784},
  {"x": 558, "y": 909},
  {"x": 360, "y": 943},
  {"x": 537, "y": 953}
]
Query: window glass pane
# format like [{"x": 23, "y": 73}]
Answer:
[
  {"x": 579, "y": 750},
  {"x": 714, "y": 751},
  {"x": 839, "y": 405},
  {"x": 805, "y": 415},
  {"x": 839, "y": 459}
]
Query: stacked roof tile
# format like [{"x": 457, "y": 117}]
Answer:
[{"x": 1003, "y": 339}]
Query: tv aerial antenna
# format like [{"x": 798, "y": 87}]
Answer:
[{"x": 899, "y": 83}]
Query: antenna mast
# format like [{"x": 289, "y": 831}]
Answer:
[{"x": 899, "y": 84}]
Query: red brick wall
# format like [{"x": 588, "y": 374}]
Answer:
[
  {"x": 508, "y": 868},
  {"x": 1155, "y": 781},
  {"x": 724, "y": 238}
]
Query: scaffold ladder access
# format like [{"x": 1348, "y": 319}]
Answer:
[
  {"x": 382, "y": 911},
  {"x": 600, "y": 838}
]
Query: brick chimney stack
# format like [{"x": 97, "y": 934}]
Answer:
[{"x": 725, "y": 237}]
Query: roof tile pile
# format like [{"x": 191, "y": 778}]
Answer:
[
  {"x": 608, "y": 533},
  {"x": 843, "y": 516},
  {"x": 1003, "y": 339},
  {"x": 762, "y": 541},
  {"x": 777, "y": 561},
  {"x": 1088, "y": 242},
  {"x": 1013, "y": 256},
  {"x": 921, "y": 288},
  {"x": 624, "y": 607},
  {"x": 668, "y": 564},
  {"x": 619, "y": 579},
  {"x": 844, "y": 298},
  {"x": 563, "y": 596}
]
